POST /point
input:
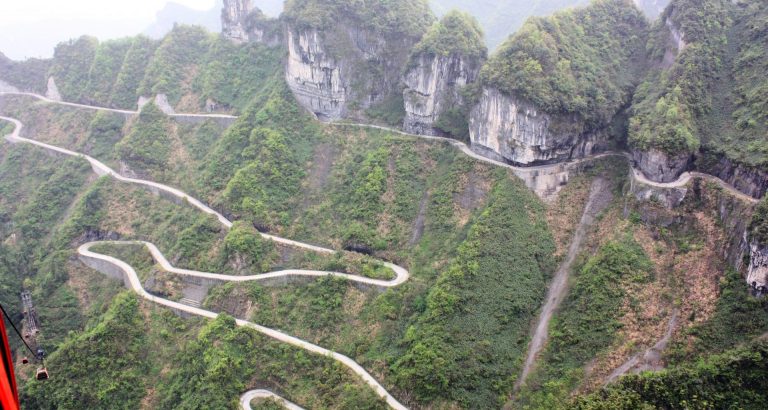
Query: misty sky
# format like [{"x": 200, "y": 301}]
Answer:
[{"x": 31, "y": 28}]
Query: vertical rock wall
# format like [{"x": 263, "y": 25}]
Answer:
[
  {"x": 314, "y": 76},
  {"x": 433, "y": 86},
  {"x": 509, "y": 129},
  {"x": 343, "y": 71},
  {"x": 233, "y": 17}
]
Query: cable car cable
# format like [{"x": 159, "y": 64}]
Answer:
[{"x": 8, "y": 317}]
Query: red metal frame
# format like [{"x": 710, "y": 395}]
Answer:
[{"x": 9, "y": 393}]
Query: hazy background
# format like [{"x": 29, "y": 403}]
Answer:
[{"x": 32, "y": 28}]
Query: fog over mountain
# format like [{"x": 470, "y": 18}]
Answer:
[{"x": 37, "y": 37}]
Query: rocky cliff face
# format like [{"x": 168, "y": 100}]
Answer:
[
  {"x": 233, "y": 17},
  {"x": 433, "y": 86},
  {"x": 52, "y": 92},
  {"x": 658, "y": 166},
  {"x": 242, "y": 22},
  {"x": 340, "y": 73},
  {"x": 757, "y": 273},
  {"x": 314, "y": 76},
  {"x": 512, "y": 130},
  {"x": 749, "y": 180}
]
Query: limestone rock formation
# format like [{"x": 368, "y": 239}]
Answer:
[
  {"x": 7, "y": 88},
  {"x": 749, "y": 180},
  {"x": 342, "y": 61},
  {"x": 757, "y": 273},
  {"x": 314, "y": 76},
  {"x": 432, "y": 87},
  {"x": 659, "y": 166},
  {"x": 52, "y": 92},
  {"x": 445, "y": 61},
  {"x": 233, "y": 17},
  {"x": 510, "y": 129},
  {"x": 242, "y": 22},
  {"x": 534, "y": 105}
]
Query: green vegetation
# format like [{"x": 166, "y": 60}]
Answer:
[
  {"x": 457, "y": 33},
  {"x": 106, "y": 65},
  {"x": 245, "y": 242},
  {"x": 191, "y": 66},
  {"x": 263, "y": 189},
  {"x": 669, "y": 108},
  {"x": 71, "y": 66},
  {"x": 587, "y": 322},
  {"x": 104, "y": 132},
  {"x": 499, "y": 19},
  {"x": 103, "y": 368},
  {"x": 758, "y": 227},
  {"x": 468, "y": 342},
  {"x": 738, "y": 317},
  {"x": 213, "y": 370},
  {"x": 126, "y": 89},
  {"x": 178, "y": 53},
  {"x": 394, "y": 17},
  {"x": 735, "y": 379},
  {"x": 147, "y": 146},
  {"x": 582, "y": 61},
  {"x": 30, "y": 74},
  {"x": 233, "y": 73}
]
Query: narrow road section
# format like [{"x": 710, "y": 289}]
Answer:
[
  {"x": 112, "y": 266},
  {"x": 249, "y": 396},
  {"x": 109, "y": 265}
]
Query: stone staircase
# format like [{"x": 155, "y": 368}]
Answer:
[{"x": 190, "y": 302}]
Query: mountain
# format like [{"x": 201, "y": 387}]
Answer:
[
  {"x": 499, "y": 19},
  {"x": 175, "y": 13},
  {"x": 576, "y": 220}
]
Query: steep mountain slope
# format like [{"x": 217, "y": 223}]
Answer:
[
  {"x": 442, "y": 66},
  {"x": 705, "y": 103},
  {"x": 553, "y": 88},
  {"x": 345, "y": 58},
  {"x": 658, "y": 284},
  {"x": 195, "y": 70}
]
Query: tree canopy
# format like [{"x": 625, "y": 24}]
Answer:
[{"x": 574, "y": 62}]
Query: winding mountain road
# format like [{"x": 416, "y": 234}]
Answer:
[
  {"x": 107, "y": 264},
  {"x": 115, "y": 110},
  {"x": 245, "y": 399}
]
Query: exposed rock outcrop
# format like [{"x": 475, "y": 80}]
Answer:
[
  {"x": 432, "y": 87},
  {"x": 749, "y": 180},
  {"x": 336, "y": 85},
  {"x": 52, "y": 93},
  {"x": 669, "y": 198},
  {"x": 443, "y": 63},
  {"x": 314, "y": 76},
  {"x": 161, "y": 100},
  {"x": 675, "y": 45},
  {"x": 658, "y": 166},
  {"x": 757, "y": 273},
  {"x": 7, "y": 88},
  {"x": 242, "y": 22},
  {"x": 233, "y": 17},
  {"x": 342, "y": 61},
  {"x": 510, "y": 129}
]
